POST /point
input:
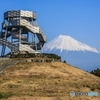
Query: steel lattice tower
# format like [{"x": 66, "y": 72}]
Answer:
[{"x": 17, "y": 25}]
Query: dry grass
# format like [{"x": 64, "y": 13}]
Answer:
[{"x": 46, "y": 81}]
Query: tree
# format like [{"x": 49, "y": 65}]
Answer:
[
  {"x": 64, "y": 61},
  {"x": 96, "y": 72}
]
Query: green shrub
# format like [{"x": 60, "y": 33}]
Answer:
[
  {"x": 1, "y": 96},
  {"x": 52, "y": 55},
  {"x": 96, "y": 72},
  {"x": 64, "y": 61}
]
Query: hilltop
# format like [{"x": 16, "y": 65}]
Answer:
[{"x": 26, "y": 80}]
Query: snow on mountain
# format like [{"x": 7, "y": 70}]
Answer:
[{"x": 67, "y": 43}]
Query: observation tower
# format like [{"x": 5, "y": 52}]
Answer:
[{"x": 20, "y": 32}]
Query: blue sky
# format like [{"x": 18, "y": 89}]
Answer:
[{"x": 78, "y": 18}]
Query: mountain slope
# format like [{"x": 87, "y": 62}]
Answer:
[
  {"x": 46, "y": 81},
  {"x": 67, "y": 43}
]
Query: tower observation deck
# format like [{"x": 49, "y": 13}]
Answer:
[{"x": 14, "y": 34}]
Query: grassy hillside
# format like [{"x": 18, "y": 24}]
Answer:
[{"x": 46, "y": 81}]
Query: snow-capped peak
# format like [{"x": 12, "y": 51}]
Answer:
[{"x": 64, "y": 42}]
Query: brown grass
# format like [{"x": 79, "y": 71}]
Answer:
[{"x": 46, "y": 81}]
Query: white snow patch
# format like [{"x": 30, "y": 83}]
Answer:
[{"x": 67, "y": 43}]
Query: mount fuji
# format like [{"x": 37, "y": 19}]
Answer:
[
  {"x": 74, "y": 52},
  {"x": 67, "y": 43}
]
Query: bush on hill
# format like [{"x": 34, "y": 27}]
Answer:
[{"x": 96, "y": 72}]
